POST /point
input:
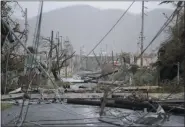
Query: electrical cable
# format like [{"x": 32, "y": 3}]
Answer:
[
  {"x": 110, "y": 30},
  {"x": 158, "y": 33},
  {"x": 161, "y": 29},
  {"x": 29, "y": 78},
  {"x": 21, "y": 112},
  {"x": 120, "y": 118},
  {"x": 28, "y": 100},
  {"x": 36, "y": 48},
  {"x": 164, "y": 99},
  {"x": 26, "y": 49},
  {"x": 105, "y": 36},
  {"x": 152, "y": 109}
]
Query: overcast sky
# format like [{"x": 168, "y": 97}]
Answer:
[{"x": 49, "y": 5}]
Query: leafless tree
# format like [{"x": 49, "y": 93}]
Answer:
[{"x": 59, "y": 59}]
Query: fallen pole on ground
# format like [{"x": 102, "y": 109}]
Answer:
[{"x": 125, "y": 104}]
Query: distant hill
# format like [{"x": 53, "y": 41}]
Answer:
[{"x": 86, "y": 25}]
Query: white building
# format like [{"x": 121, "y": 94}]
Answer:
[{"x": 148, "y": 59}]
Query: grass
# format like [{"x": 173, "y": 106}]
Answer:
[{"x": 5, "y": 106}]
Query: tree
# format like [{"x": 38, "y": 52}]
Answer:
[
  {"x": 172, "y": 50},
  {"x": 63, "y": 62},
  {"x": 60, "y": 59},
  {"x": 4, "y": 30},
  {"x": 11, "y": 60},
  {"x": 134, "y": 69}
]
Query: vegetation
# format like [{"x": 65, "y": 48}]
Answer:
[
  {"x": 143, "y": 77},
  {"x": 167, "y": 89},
  {"x": 172, "y": 50},
  {"x": 134, "y": 69},
  {"x": 5, "y": 106},
  {"x": 12, "y": 62},
  {"x": 60, "y": 57}
]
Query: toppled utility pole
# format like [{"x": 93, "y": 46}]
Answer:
[
  {"x": 106, "y": 54},
  {"x": 86, "y": 64},
  {"x": 26, "y": 29},
  {"x": 26, "y": 35},
  {"x": 81, "y": 55}
]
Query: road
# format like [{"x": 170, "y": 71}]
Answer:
[{"x": 61, "y": 115}]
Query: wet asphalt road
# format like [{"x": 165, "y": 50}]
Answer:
[
  {"x": 61, "y": 115},
  {"x": 54, "y": 114}
]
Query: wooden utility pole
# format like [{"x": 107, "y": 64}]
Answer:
[
  {"x": 61, "y": 43},
  {"x": 86, "y": 64},
  {"x": 112, "y": 58},
  {"x": 106, "y": 54},
  {"x": 26, "y": 29},
  {"x": 101, "y": 56},
  {"x": 58, "y": 42},
  {"x": 142, "y": 31},
  {"x": 65, "y": 67},
  {"x": 57, "y": 50},
  {"x": 80, "y": 57},
  {"x": 50, "y": 52}
]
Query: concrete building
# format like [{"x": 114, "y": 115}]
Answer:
[{"x": 148, "y": 59}]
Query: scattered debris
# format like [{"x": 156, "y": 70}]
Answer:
[
  {"x": 157, "y": 118},
  {"x": 16, "y": 91}
]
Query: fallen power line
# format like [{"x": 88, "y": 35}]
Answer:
[
  {"x": 158, "y": 33},
  {"x": 110, "y": 30}
]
